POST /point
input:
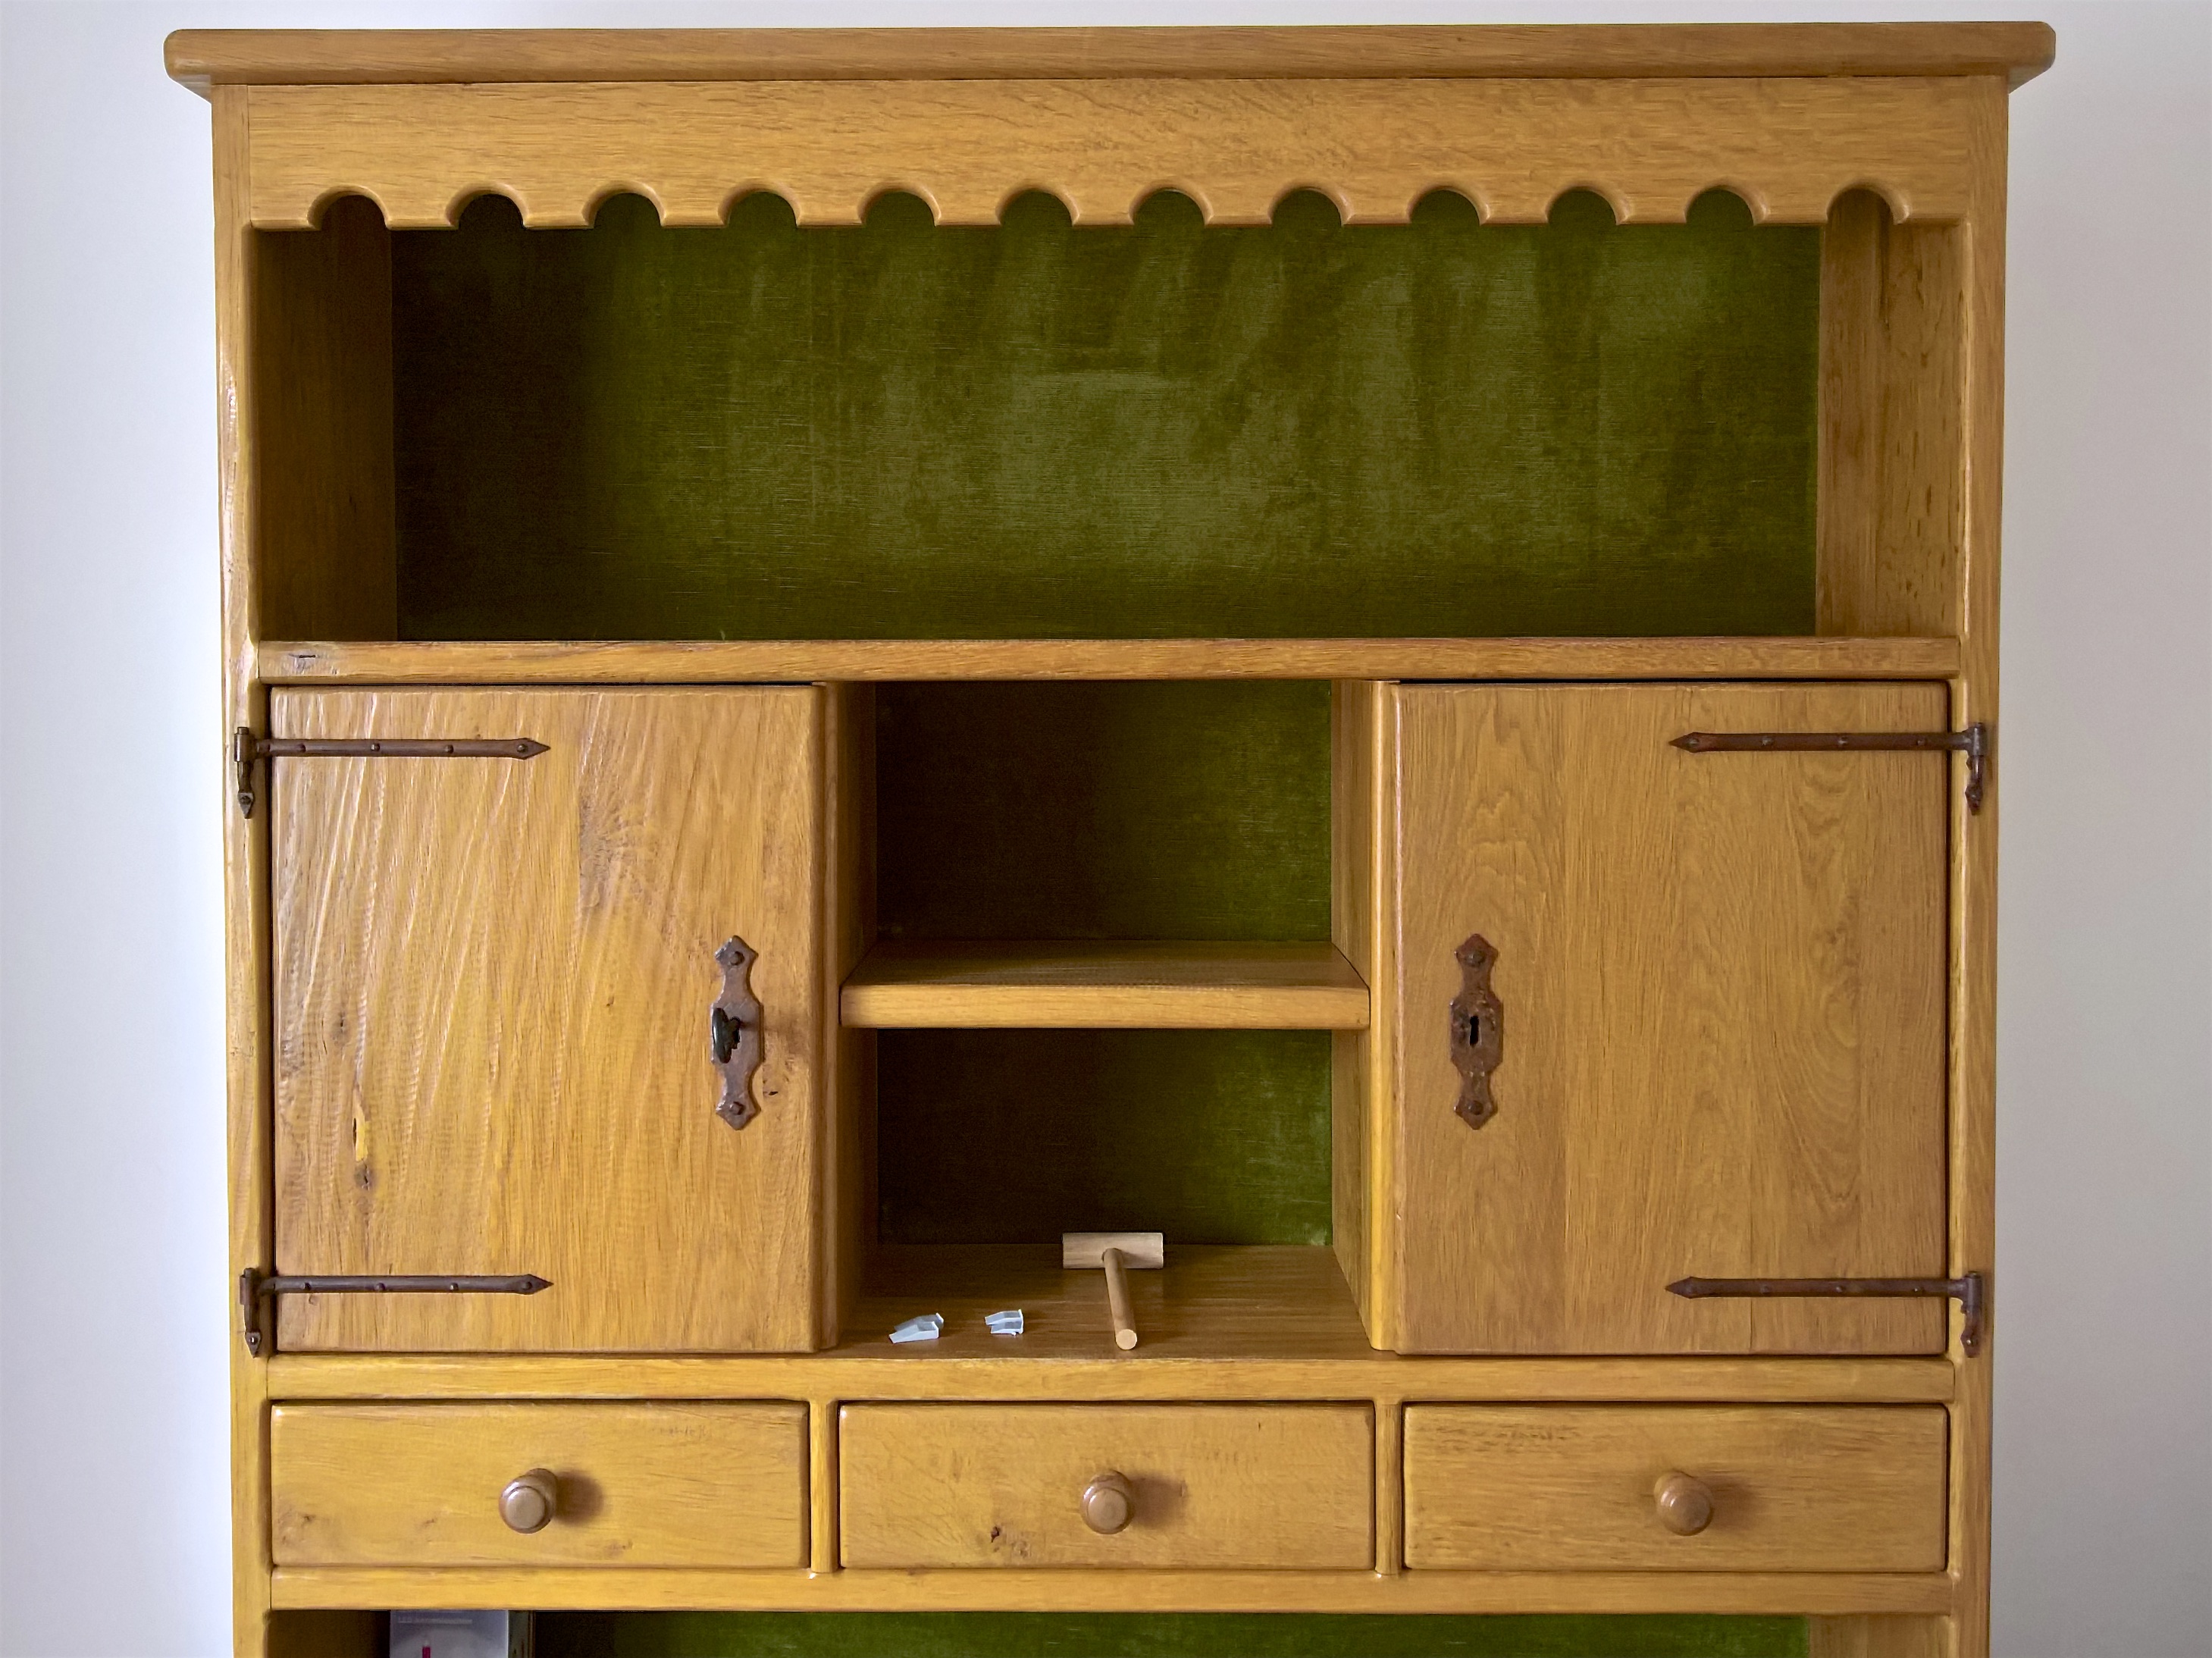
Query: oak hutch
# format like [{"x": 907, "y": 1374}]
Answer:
[{"x": 1372, "y": 649}]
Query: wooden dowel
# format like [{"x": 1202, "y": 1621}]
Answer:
[{"x": 1118, "y": 1301}]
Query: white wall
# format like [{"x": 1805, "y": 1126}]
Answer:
[{"x": 116, "y": 1317}]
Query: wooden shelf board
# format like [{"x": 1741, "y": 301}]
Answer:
[
  {"x": 738, "y": 661},
  {"x": 1165, "y": 985},
  {"x": 205, "y": 58},
  {"x": 1255, "y": 1302}
]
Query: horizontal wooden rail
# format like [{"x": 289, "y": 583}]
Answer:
[
  {"x": 1016, "y": 1590},
  {"x": 735, "y": 661}
]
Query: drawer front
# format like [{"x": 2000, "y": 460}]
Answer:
[
  {"x": 658, "y": 1485},
  {"x": 1208, "y": 1486},
  {"x": 1576, "y": 1488}
]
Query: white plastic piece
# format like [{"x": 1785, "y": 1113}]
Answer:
[
  {"x": 1008, "y": 1323},
  {"x": 926, "y": 1326}
]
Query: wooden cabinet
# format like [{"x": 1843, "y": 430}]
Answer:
[
  {"x": 538, "y": 1485},
  {"x": 1145, "y": 587},
  {"x": 492, "y": 982},
  {"x": 1720, "y": 981},
  {"x": 1675, "y": 1488},
  {"x": 1279, "y": 1487}
]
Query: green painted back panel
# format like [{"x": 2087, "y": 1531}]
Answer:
[
  {"x": 1157, "y": 430},
  {"x": 1156, "y": 1635},
  {"x": 1098, "y": 811},
  {"x": 1015, "y": 1136},
  {"x": 1088, "y": 810}
]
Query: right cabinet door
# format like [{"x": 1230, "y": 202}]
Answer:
[{"x": 1719, "y": 1032}]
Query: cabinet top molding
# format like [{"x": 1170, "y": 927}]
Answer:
[{"x": 206, "y": 59}]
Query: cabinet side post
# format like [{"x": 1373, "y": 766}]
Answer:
[
  {"x": 1362, "y": 785},
  {"x": 246, "y": 870},
  {"x": 849, "y": 923},
  {"x": 327, "y": 503},
  {"x": 1891, "y": 412},
  {"x": 1974, "y": 894}
]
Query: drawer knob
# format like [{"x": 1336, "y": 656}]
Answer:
[
  {"x": 529, "y": 1500},
  {"x": 1684, "y": 1506},
  {"x": 1109, "y": 1502}
]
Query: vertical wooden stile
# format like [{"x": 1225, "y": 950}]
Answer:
[{"x": 245, "y": 868}]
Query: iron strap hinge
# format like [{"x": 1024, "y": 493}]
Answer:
[
  {"x": 246, "y": 749},
  {"x": 1967, "y": 1291},
  {"x": 1973, "y": 743},
  {"x": 256, "y": 1290}
]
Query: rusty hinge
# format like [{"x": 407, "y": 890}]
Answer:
[
  {"x": 1973, "y": 743},
  {"x": 246, "y": 748},
  {"x": 1967, "y": 1292},
  {"x": 256, "y": 1289}
]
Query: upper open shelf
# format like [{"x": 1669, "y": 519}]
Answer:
[{"x": 1165, "y": 431}]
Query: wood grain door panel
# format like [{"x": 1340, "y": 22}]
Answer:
[
  {"x": 1723, "y": 978},
  {"x": 492, "y": 983},
  {"x": 1572, "y": 1488},
  {"x": 1221, "y": 1487},
  {"x": 635, "y": 1485}
]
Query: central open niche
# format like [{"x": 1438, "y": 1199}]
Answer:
[
  {"x": 1163, "y": 429},
  {"x": 1092, "y": 813}
]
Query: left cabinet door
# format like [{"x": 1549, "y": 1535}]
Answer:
[{"x": 492, "y": 990}]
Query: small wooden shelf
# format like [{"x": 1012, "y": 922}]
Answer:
[
  {"x": 1167, "y": 986},
  {"x": 1257, "y": 1300},
  {"x": 469, "y": 662}
]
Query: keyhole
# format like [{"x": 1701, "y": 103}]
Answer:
[{"x": 726, "y": 1030}]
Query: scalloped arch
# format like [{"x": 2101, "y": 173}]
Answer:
[
  {"x": 318, "y": 209},
  {"x": 1466, "y": 192},
  {"x": 1622, "y": 205},
  {"x": 1189, "y": 193},
  {"x": 1899, "y": 203},
  {"x": 606, "y": 192},
  {"x": 469, "y": 195},
  {"x": 1754, "y": 198},
  {"x": 876, "y": 193},
  {"x": 1007, "y": 198},
  {"x": 1333, "y": 194}
]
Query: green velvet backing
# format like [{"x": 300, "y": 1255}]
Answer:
[
  {"x": 1156, "y": 1635},
  {"x": 1159, "y": 430},
  {"x": 1093, "y": 811},
  {"x": 1015, "y": 1136},
  {"x": 1102, "y": 810}
]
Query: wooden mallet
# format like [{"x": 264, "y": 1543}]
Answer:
[{"x": 1117, "y": 1252}]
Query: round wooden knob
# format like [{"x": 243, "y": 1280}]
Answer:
[
  {"x": 1684, "y": 1506},
  {"x": 1108, "y": 1503},
  {"x": 529, "y": 1500}
]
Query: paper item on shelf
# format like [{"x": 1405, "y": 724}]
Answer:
[
  {"x": 1008, "y": 1323},
  {"x": 925, "y": 1327}
]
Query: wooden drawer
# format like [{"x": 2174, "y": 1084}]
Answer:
[
  {"x": 658, "y": 1485},
  {"x": 1212, "y": 1485},
  {"x": 1574, "y": 1488}
]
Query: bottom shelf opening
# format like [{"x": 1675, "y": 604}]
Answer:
[{"x": 1208, "y": 1301}]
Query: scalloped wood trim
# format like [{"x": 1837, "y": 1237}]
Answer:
[
  {"x": 205, "y": 58},
  {"x": 1789, "y": 147}
]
